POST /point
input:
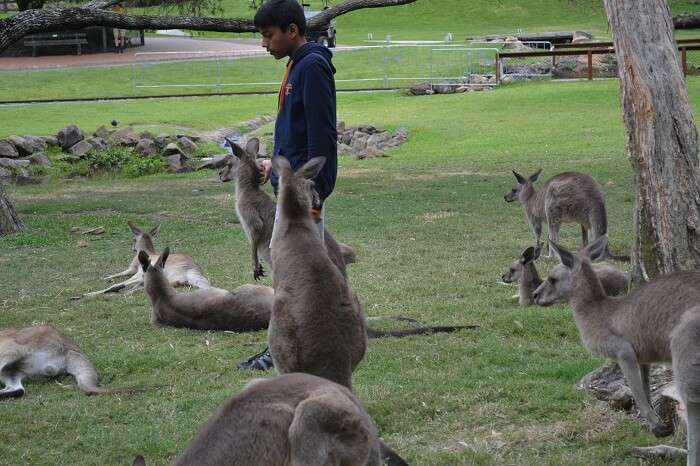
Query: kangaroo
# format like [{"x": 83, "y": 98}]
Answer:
[
  {"x": 181, "y": 270},
  {"x": 657, "y": 322},
  {"x": 288, "y": 420},
  {"x": 256, "y": 210},
  {"x": 44, "y": 351},
  {"x": 317, "y": 324},
  {"x": 244, "y": 309},
  {"x": 556, "y": 288},
  {"x": 565, "y": 198},
  {"x": 525, "y": 273}
]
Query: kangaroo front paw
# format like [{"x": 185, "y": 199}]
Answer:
[
  {"x": 662, "y": 430},
  {"x": 258, "y": 272},
  {"x": 7, "y": 394}
]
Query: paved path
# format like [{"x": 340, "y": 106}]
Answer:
[{"x": 156, "y": 49}]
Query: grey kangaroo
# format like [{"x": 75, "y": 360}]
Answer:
[
  {"x": 657, "y": 322},
  {"x": 244, "y": 309},
  {"x": 288, "y": 420},
  {"x": 44, "y": 351},
  {"x": 564, "y": 198},
  {"x": 524, "y": 272},
  {"x": 256, "y": 209},
  {"x": 317, "y": 324},
  {"x": 557, "y": 286}
]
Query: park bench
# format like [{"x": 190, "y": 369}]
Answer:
[{"x": 56, "y": 39}]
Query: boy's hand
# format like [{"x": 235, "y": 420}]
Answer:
[
  {"x": 316, "y": 214},
  {"x": 265, "y": 169}
]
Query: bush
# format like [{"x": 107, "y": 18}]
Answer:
[
  {"x": 114, "y": 159},
  {"x": 136, "y": 166}
]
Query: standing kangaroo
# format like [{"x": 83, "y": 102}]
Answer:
[
  {"x": 181, "y": 270},
  {"x": 244, "y": 309},
  {"x": 317, "y": 325},
  {"x": 288, "y": 420},
  {"x": 525, "y": 273},
  {"x": 657, "y": 322},
  {"x": 44, "y": 351},
  {"x": 256, "y": 209},
  {"x": 564, "y": 198}
]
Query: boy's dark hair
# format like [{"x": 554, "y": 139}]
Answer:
[{"x": 281, "y": 13}]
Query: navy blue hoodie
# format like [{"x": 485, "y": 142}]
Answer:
[{"x": 306, "y": 125}]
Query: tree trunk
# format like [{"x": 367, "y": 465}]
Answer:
[
  {"x": 661, "y": 137},
  {"x": 9, "y": 220},
  {"x": 15, "y": 27}
]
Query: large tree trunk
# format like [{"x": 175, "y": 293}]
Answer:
[
  {"x": 9, "y": 220},
  {"x": 661, "y": 137},
  {"x": 15, "y": 27}
]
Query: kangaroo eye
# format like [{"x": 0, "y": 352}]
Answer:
[{"x": 553, "y": 281}]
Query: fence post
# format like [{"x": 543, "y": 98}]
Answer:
[
  {"x": 590, "y": 64},
  {"x": 684, "y": 60},
  {"x": 498, "y": 67}
]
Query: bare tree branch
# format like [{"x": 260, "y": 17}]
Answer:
[{"x": 26, "y": 22}]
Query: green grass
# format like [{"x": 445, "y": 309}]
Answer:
[{"x": 433, "y": 235}]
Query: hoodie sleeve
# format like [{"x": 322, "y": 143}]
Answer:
[{"x": 319, "y": 111}]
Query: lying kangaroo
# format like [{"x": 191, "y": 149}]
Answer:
[
  {"x": 181, "y": 270},
  {"x": 288, "y": 420},
  {"x": 256, "y": 209},
  {"x": 657, "y": 322},
  {"x": 524, "y": 272},
  {"x": 44, "y": 351},
  {"x": 564, "y": 198},
  {"x": 317, "y": 324},
  {"x": 556, "y": 288},
  {"x": 244, "y": 309}
]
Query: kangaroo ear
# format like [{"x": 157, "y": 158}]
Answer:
[
  {"x": 139, "y": 461},
  {"x": 535, "y": 175},
  {"x": 253, "y": 147},
  {"x": 312, "y": 168},
  {"x": 567, "y": 258},
  {"x": 154, "y": 231},
  {"x": 528, "y": 255},
  {"x": 163, "y": 257},
  {"x": 134, "y": 228},
  {"x": 280, "y": 164},
  {"x": 597, "y": 249},
  {"x": 145, "y": 260},
  {"x": 235, "y": 148},
  {"x": 519, "y": 177}
]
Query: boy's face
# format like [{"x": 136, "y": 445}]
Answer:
[{"x": 279, "y": 43}]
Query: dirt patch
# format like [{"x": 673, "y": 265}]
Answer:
[
  {"x": 431, "y": 217},
  {"x": 358, "y": 172}
]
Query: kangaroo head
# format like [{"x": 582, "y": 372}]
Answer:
[
  {"x": 297, "y": 189},
  {"x": 143, "y": 241},
  {"x": 583, "y": 282},
  {"x": 159, "y": 265},
  {"x": 514, "y": 273},
  {"x": 556, "y": 288},
  {"x": 524, "y": 187},
  {"x": 242, "y": 162}
]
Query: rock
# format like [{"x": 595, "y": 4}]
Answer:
[
  {"x": 14, "y": 164},
  {"x": 478, "y": 79},
  {"x": 401, "y": 134},
  {"x": 581, "y": 36},
  {"x": 378, "y": 138},
  {"x": 40, "y": 159},
  {"x": 24, "y": 177},
  {"x": 188, "y": 147},
  {"x": 231, "y": 133},
  {"x": 147, "y": 135},
  {"x": 215, "y": 162},
  {"x": 176, "y": 163},
  {"x": 51, "y": 141},
  {"x": 6, "y": 176},
  {"x": 172, "y": 149},
  {"x": 69, "y": 136},
  {"x": 444, "y": 88},
  {"x": 7, "y": 149},
  {"x": 24, "y": 147},
  {"x": 98, "y": 143},
  {"x": 125, "y": 136},
  {"x": 344, "y": 149},
  {"x": 103, "y": 132},
  {"x": 163, "y": 140},
  {"x": 82, "y": 243},
  {"x": 371, "y": 152},
  {"x": 36, "y": 142},
  {"x": 421, "y": 89},
  {"x": 346, "y": 137},
  {"x": 146, "y": 147},
  {"x": 461, "y": 89},
  {"x": 367, "y": 129},
  {"x": 81, "y": 149},
  {"x": 340, "y": 126},
  {"x": 359, "y": 141}
]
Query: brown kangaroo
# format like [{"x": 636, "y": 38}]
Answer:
[
  {"x": 657, "y": 322},
  {"x": 44, "y": 351},
  {"x": 288, "y": 420},
  {"x": 565, "y": 198},
  {"x": 525, "y": 273},
  {"x": 256, "y": 209},
  {"x": 244, "y": 309},
  {"x": 181, "y": 270},
  {"x": 317, "y": 324}
]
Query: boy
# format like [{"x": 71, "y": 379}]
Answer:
[{"x": 306, "y": 118}]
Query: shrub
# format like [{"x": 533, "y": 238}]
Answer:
[{"x": 136, "y": 166}]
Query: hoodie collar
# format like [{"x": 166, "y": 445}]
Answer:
[{"x": 313, "y": 47}]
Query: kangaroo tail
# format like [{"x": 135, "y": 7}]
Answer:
[
  {"x": 86, "y": 377},
  {"x": 348, "y": 253},
  {"x": 372, "y": 333},
  {"x": 390, "y": 457},
  {"x": 399, "y": 318}
]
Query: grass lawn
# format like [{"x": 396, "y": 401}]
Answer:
[{"x": 433, "y": 235}]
